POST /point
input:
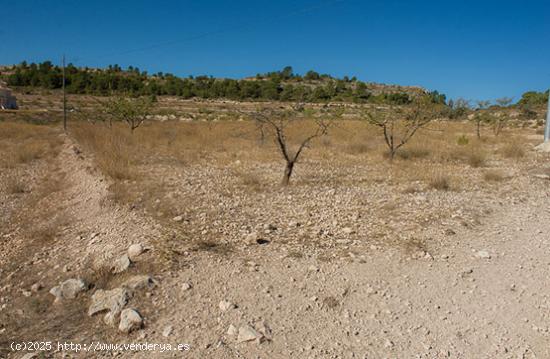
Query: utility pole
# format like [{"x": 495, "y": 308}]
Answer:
[
  {"x": 547, "y": 129},
  {"x": 64, "y": 99}
]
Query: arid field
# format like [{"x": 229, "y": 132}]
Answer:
[{"x": 442, "y": 252}]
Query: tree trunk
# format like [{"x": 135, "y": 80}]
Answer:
[
  {"x": 288, "y": 172},
  {"x": 392, "y": 154}
]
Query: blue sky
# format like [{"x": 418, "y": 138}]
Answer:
[{"x": 471, "y": 49}]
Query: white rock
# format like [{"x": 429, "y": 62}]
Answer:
[
  {"x": 232, "y": 330},
  {"x": 226, "y": 305},
  {"x": 69, "y": 289},
  {"x": 252, "y": 238},
  {"x": 167, "y": 331},
  {"x": 111, "y": 301},
  {"x": 178, "y": 219},
  {"x": 348, "y": 230},
  {"x": 313, "y": 268},
  {"x": 186, "y": 286},
  {"x": 483, "y": 255},
  {"x": 135, "y": 250},
  {"x": 543, "y": 147},
  {"x": 129, "y": 320},
  {"x": 139, "y": 282},
  {"x": 121, "y": 264},
  {"x": 247, "y": 333}
]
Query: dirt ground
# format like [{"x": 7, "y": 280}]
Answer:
[{"x": 442, "y": 254}]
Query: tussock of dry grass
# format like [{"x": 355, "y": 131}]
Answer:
[
  {"x": 440, "y": 182},
  {"x": 476, "y": 158},
  {"x": 513, "y": 150},
  {"x": 413, "y": 152},
  {"x": 15, "y": 185},
  {"x": 493, "y": 176}
]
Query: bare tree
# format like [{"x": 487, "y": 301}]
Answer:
[
  {"x": 400, "y": 125},
  {"x": 499, "y": 120},
  {"x": 276, "y": 123},
  {"x": 133, "y": 111},
  {"x": 459, "y": 108},
  {"x": 481, "y": 115}
]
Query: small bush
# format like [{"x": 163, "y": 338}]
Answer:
[
  {"x": 357, "y": 148},
  {"x": 493, "y": 176},
  {"x": 513, "y": 150},
  {"x": 412, "y": 153},
  {"x": 476, "y": 159},
  {"x": 462, "y": 140},
  {"x": 440, "y": 182},
  {"x": 14, "y": 185}
]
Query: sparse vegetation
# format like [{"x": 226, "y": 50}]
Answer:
[
  {"x": 278, "y": 123},
  {"x": 440, "y": 182},
  {"x": 493, "y": 176},
  {"x": 513, "y": 149},
  {"x": 398, "y": 128}
]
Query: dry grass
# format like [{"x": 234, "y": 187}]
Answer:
[
  {"x": 22, "y": 143},
  {"x": 113, "y": 148},
  {"x": 413, "y": 152},
  {"x": 513, "y": 150},
  {"x": 476, "y": 158},
  {"x": 413, "y": 246},
  {"x": 440, "y": 182},
  {"x": 353, "y": 151},
  {"x": 493, "y": 176},
  {"x": 14, "y": 185}
]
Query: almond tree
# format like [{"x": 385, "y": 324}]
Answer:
[
  {"x": 400, "y": 125},
  {"x": 275, "y": 124},
  {"x": 499, "y": 120},
  {"x": 481, "y": 115},
  {"x": 133, "y": 111}
]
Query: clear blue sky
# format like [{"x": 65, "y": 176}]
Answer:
[{"x": 471, "y": 49}]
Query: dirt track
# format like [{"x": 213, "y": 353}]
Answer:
[{"x": 380, "y": 302}]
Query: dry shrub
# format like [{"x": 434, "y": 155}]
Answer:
[
  {"x": 357, "y": 148},
  {"x": 513, "y": 150},
  {"x": 249, "y": 179},
  {"x": 412, "y": 189},
  {"x": 331, "y": 302},
  {"x": 414, "y": 245},
  {"x": 493, "y": 176},
  {"x": 440, "y": 182},
  {"x": 413, "y": 152},
  {"x": 15, "y": 185},
  {"x": 476, "y": 157}
]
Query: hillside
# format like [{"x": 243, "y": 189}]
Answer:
[{"x": 281, "y": 85}]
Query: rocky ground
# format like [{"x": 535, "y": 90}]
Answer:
[{"x": 312, "y": 271}]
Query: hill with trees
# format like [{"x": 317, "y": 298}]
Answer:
[{"x": 283, "y": 85}]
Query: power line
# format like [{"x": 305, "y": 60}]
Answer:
[{"x": 223, "y": 30}]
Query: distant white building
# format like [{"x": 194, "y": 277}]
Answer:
[{"x": 7, "y": 100}]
